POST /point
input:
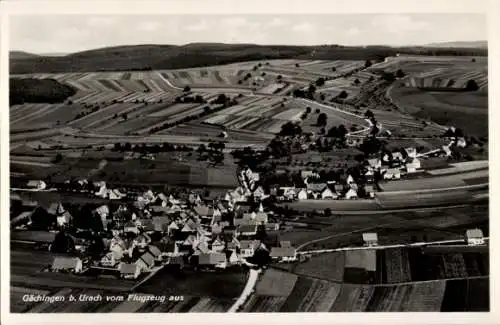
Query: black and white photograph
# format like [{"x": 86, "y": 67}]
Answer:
[{"x": 248, "y": 163}]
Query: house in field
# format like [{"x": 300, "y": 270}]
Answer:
[
  {"x": 129, "y": 270},
  {"x": 392, "y": 173},
  {"x": 217, "y": 260},
  {"x": 474, "y": 237},
  {"x": 302, "y": 194},
  {"x": 67, "y": 264},
  {"x": 461, "y": 143},
  {"x": 146, "y": 261},
  {"x": 327, "y": 193},
  {"x": 370, "y": 239},
  {"x": 248, "y": 247},
  {"x": 283, "y": 254},
  {"x": 412, "y": 165},
  {"x": 37, "y": 185},
  {"x": 351, "y": 194}
]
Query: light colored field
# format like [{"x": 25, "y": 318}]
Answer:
[
  {"x": 320, "y": 297},
  {"x": 276, "y": 283},
  {"x": 353, "y": 298}
]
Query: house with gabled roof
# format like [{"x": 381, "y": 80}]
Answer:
[
  {"x": 375, "y": 163},
  {"x": 217, "y": 245},
  {"x": 412, "y": 165},
  {"x": 142, "y": 240},
  {"x": 131, "y": 226},
  {"x": 392, "y": 173},
  {"x": 189, "y": 226},
  {"x": 217, "y": 260},
  {"x": 474, "y": 237},
  {"x": 283, "y": 254},
  {"x": 247, "y": 230},
  {"x": 146, "y": 261},
  {"x": 248, "y": 247},
  {"x": 155, "y": 251},
  {"x": 370, "y": 239},
  {"x": 67, "y": 264},
  {"x": 129, "y": 270},
  {"x": 370, "y": 190},
  {"x": 64, "y": 219},
  {"x": 302, "y": 194},
  {"x": 109, "y": 260},
  {"x": 327, "y": 193},
  {"x": 351, "y": 194},
  {"x": 316, "y": 187}
]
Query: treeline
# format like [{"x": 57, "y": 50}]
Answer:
[
  {"x": 31, "y": 90},
  {"x": 199, "y": 55}
]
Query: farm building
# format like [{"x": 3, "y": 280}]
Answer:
[
  {"x": 370, "y": 190},
  {"x": 129, "y": 271},
  {"x": 247, "y": 230},
  {"x": 109, "y": 260},
  {"x": 64, "y": 219},
  {"x": 370, "y": 239},
  {"x": 375, "y": 163},
  {"x": 67, "y": 264},
  {"x": 284, "y": 254},
  {"x": 474, "y": 237}
]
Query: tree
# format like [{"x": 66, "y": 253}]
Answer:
[
  {"x": 297, "y": 65},
  {"x": 368, "y": 63},
  {"x": 279, "y": 77},
  {"x": 334, "y": 69},
  {"x": 317, "y": 111},
  {"x": 472, "y": 85},
  {"x": 206, "y": 109},
  {"x": 369, "y": 114},
  {"x": 322, "y": 118},
  {"x": 388, "y": 76},
  {"x": 187, "y": 89},
  {"x": 400, "y": 73},
  {"x": 357, "y": 82},
  {"x": 328, "y": 212},
  {"x": 322, "y": 96},
  {"x": 343, "y": 94},
  {"x": 125, "y": 116},
  {"x": 320, "y": 81},
  {"x": 308, "y": 109},
  {"x": 311, "y": 89},
  {"x": 58, "y": 158},
  {"x": 473, "y": 60}
]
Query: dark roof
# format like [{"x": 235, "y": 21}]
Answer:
[
  {"x": 147, "y": 258},
  {"x": 160, "y": 223},
  {"x": 211, "y": 258},
  {"x": 282, "y": 251},
  {"x": 247, "y": 228},
  {"x": 154, "y": 250},
  {"x": 126, "y": 268}
]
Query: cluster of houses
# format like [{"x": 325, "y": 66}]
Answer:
[
  {"x": 392, "y": 165},
  {"x": 158, "y": 229}
]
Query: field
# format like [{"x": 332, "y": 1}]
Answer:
[{"x": 315, "y": 295}]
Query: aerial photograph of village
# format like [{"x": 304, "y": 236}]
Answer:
[{"x": 252, "y": 163}]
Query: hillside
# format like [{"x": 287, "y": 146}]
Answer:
[
  {"x": 159, "y": 57},
  {"x": 471, "y": 44},
  {"x": 38, "y": 91},
  {"x": 17, "y": 55}
]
